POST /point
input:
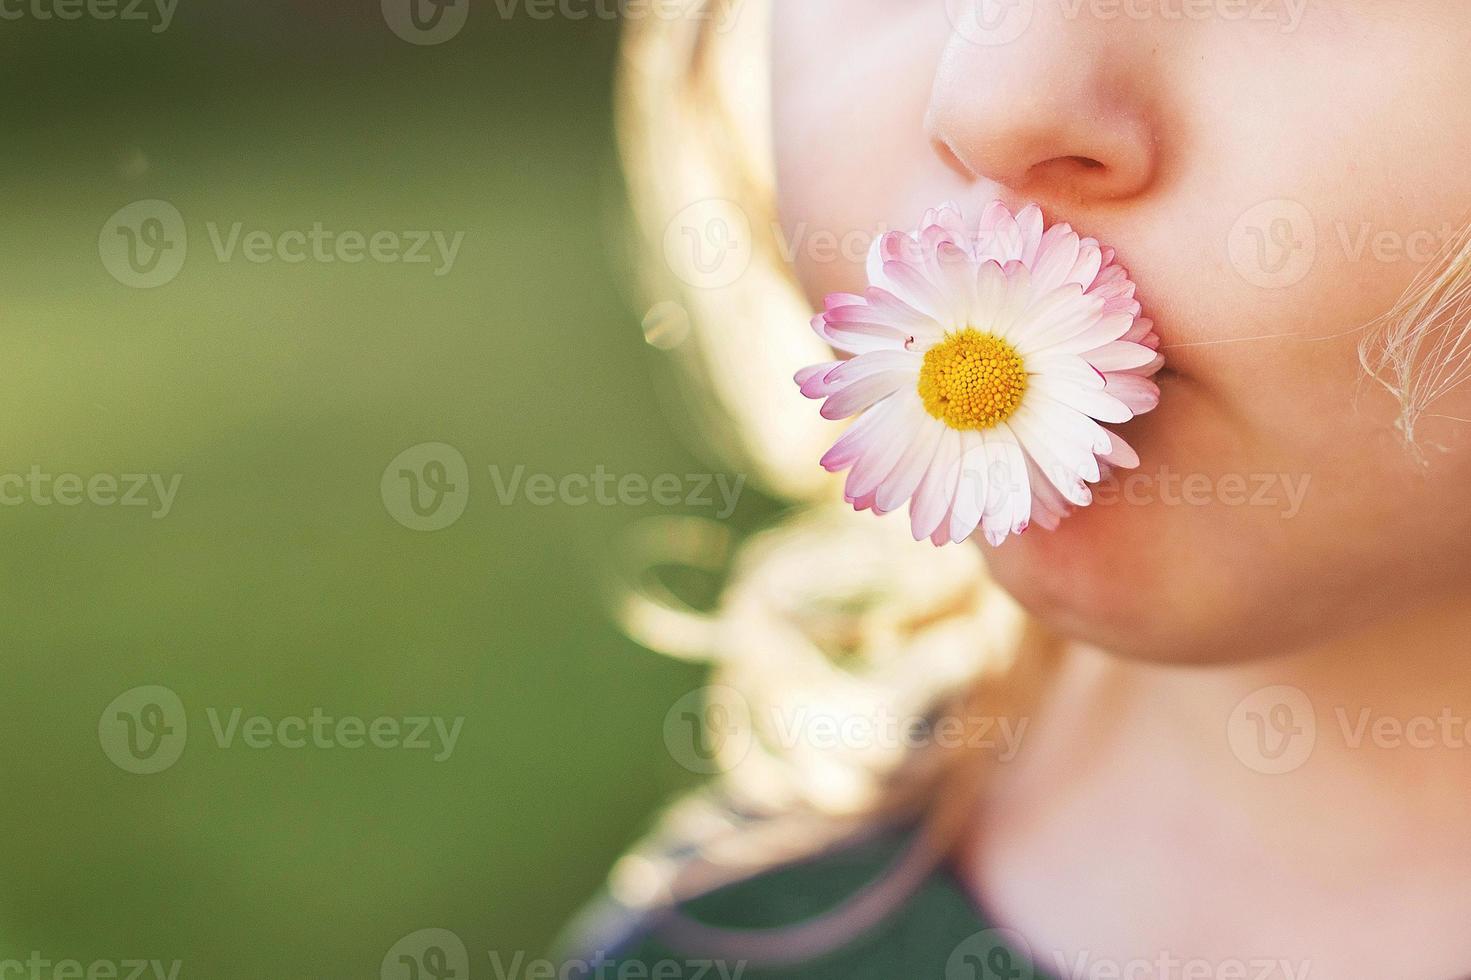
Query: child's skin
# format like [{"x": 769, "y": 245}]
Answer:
[{"x": 1127, "y": 826}]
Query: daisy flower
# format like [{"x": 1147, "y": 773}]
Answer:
[{"x": 983, "y": 362}]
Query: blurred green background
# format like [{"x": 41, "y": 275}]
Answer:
[{"x": 279, "y": 581}]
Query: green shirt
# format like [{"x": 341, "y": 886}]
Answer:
[{"x": 937, "y": 934}]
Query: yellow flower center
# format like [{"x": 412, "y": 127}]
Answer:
[{"x": 972, "y": 380}]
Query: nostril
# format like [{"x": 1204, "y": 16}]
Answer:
[
  {"x": 1061, "y": 170},
  {"x": 951, "y": 159}
]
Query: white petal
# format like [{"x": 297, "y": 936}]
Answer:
[
  {"x": 812, "y": 380},
  {"x": 998, "y": 236},
  {"x": 1056, "y": 257},
  {"x": 910, "y": 284},
  {"x": 1068, "y": 366},
  {"x": 936, "y": 489},
  {"x": 954, "y": 273},
  {"x": 891, "y": 309},
  {"x": 988, "y": 296},
  {"x": 1100, "y": 405},
  {"x": 1120, "y": 356},
  {"x": 1057, "y": 317},
  {"x": 1029, "y": 220},
  {"x": 1140, "y": 394},
  {"x": 1008, "y": 490},
  {"x": 1108, "y": 328},
  {"x": 970, "y": 489},
  {"x": 903, "y": 480},
  {"x": 1077, "y": 428},
  {"x": 1121, "y": 454},
  {"x": 859, "y": 438},
  {"x": 888, "y": 444},
  {"x": 1048, "y": 506},
  {"x": 1090, "y": 260},
  {"x": 1013, "y": 306},
  {"x": 876, "y": 362},
  {"x": 864, "y": 393},
  {"x": 857, "y": 331},
  {"x": 1056, "y": 424},
  {"x": 1061, "y": 465}
]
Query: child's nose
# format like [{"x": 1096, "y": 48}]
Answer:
[{"x": 1056, "y": 111}]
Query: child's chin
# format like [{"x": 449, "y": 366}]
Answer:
[{"x": 1103, "y": 578}]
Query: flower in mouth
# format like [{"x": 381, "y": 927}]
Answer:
[{"x": 983, "y": 362}]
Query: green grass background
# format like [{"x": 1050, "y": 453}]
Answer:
[{"x": 279, "y": 583}]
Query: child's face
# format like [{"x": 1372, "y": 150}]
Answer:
[{"x": 1276, "y": 505}]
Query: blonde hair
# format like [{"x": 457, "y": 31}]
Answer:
[
  {"x": 1420, "y": 350},
  {"x": 829, "y": 612}
]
